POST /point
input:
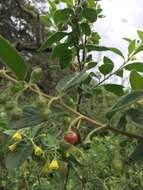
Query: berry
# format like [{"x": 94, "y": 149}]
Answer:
[
  {"x": 10, "y": 105},
  {"x": 117, "y": 164},
  {"x": 45, "y": 114},
  {"x": 41, "y": 102},
  {"x": 16, "y": 113},
  {"x": 71, "y": 137},
  {"x": 3, "y": 99},
  {"x": 16, "y": 87},
  {"x": 36, "y": 74}
]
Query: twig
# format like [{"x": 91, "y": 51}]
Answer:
[
  {"x": 24, "y": 9},
  {"x": 80, "y": 178},
  {"x": 84, "y": 117}
]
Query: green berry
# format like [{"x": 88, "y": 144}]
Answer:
[
  {"x": 16, "y": 87},
  {"x": 16, "y": 113},
  {"x": 41, "y": 102},
  {"x": 3, "y": 115},
  {"x": 36, "y": 74},
  {"x": 3, "y": 99},
  {"x": 45, "y": 114},
  {"x": 10, "y": 105}
]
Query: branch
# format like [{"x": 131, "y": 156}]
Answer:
[
  {"x": 24, "y": 9},
  {"x": 84, "y": 117},
  {"x": 21, "y": 46}
]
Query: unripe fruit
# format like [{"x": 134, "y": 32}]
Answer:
[
  {"x": 10, "y": 105},
  {"x": 118, "y": 164},
  {"x": 17, "y": 137},
  {"x": 16, "y": 87},
  {"x": 36, "y": 74},
  {"x": 71, "y": 137},
  {"x": 12, "y": 147},
  {"x": 54, "y": 165},
  {"x": 41, "y": 102},
  {"x": 45, "y": 114},
  {"x": 3, "y": 99},
  {"x": 38, "y": 151},
  {"x": 16, "y": 113},
  {"x": 3, "y": 115}
]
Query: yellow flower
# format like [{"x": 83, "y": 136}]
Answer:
[
  {"x": 12, "y": 147},
  {"x": 17, "y": 136},
  {"x": 54, "y": 165},
  {"x": 38, "y": 151}
]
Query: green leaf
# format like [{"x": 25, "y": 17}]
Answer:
[
  {"x": 122, "y": 122},
  {"x": 15, "y": 159},
  {"x": 107, "y": 67},
  {"x": 52, "y": 5},
  {"x": 12, "y": 59},
  {"x": 62, "y": 15},
  {"x": 90, "y": 14},
  {"x": 46, "y": 19},
  {"x": 140, "y": 34},
  {"x": 64, "y": 55},
  {"x": 91, "y": 47},
  {"x": 59, "y": 49},
  {"x": 136, "y": 80},
  {"x": 139, "y": 49},
  {"x": 31, "y": 118},
  {"x": 56, "y": 37},
  {"x": 65, "y": 58},
  {"x": 86, "y": 28},
  {"x": 117, "y": 51},
  {"x": 95, "y": 38},
  {"x": 127, "y": 39},
  {"x": 125, "y": 102},
  {"x": 138, "y": 66},
  {"x": 114, "y": 88},
  {"x": 137, "y": 154},
  {"x": 136, "y": 115},
  {"x": 119, "y": 73},
  {"x": 71, "y": 81},
  {"x": 91, "y": 64},
  {"x": 132, "y": 46}
]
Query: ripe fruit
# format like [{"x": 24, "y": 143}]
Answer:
[
  {"x": 17, "y": 136},
  {"x": 12, "y": 147},
  {"x": 38, "y": 151},
  {"x": 117, "y": 164},
  {"x": 54, "y": 165},
  {"x": 71, "y": 137}
]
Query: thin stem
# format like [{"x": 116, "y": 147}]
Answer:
[
  {"x": 105, "y": 78},
  {"x": 67, "y": 177},
  {"x": 84, "y": 117},
  {"x": 79, "y": 177}
]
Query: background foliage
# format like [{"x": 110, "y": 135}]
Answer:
[{"x": 104, "y": 119}]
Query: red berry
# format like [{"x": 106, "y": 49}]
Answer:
[{"x": 71, "y": 137}]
